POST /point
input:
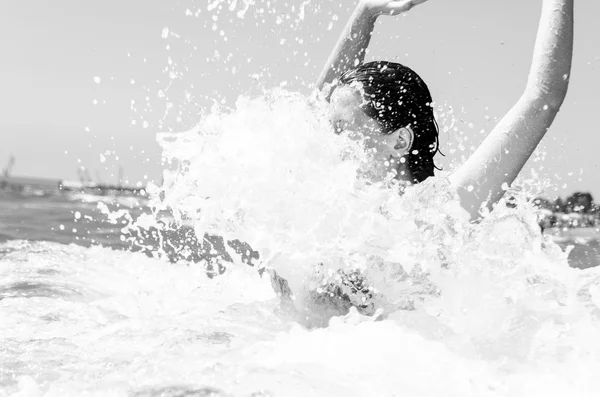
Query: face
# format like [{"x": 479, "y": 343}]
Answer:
[{"x": 348, "y": 117}]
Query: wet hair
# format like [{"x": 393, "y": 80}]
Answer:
[{"x": 395, "y": 96}]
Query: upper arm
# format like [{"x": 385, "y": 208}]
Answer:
[{"x": 483, "y": 179}]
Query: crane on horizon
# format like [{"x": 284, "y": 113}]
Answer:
[{"x": 7, "y": 170}]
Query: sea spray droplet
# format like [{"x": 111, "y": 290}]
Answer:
[
  {"x": 213, "y": 5},
  {"x": 96, "y": 79},
  {"x": 247, "y": 3},
  {"x": 302, "y": 6}
]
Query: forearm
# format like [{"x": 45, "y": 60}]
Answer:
[
  {"x": 351, "y": 47},
  {"x": 551, "y": 66},
  {"x": 487, "y": 174}
]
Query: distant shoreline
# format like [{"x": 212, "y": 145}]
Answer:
[
  {"x": 576, "y": 234},
  {"x": 30, "y": 181},
  {"x": 58, "y": 186}
]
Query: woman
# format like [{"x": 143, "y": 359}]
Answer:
[{"x": 390, "y": 106}]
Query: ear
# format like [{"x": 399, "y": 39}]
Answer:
[{"x": 404, "y": 140}]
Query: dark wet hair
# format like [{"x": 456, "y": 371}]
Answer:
[{"x": 397, "y": 97}]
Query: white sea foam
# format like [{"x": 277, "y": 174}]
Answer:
[{"x": 99, "y": 322}]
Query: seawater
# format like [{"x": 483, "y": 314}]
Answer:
[{"x": 492, "y": 309}]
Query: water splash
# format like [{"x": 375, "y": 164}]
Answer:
[
  {"x": 272, "y": 174},
  {"x": 490, "y": 309},
  {"x": 124, "y": 324}
]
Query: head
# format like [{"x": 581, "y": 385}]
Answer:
[{"x": 390, "y": 106}]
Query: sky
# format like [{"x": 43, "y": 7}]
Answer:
[{"x": 91, "y": 83}]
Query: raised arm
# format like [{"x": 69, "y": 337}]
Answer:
[
  {"x": 352, "y": 45},
  {"x": 482, "y": 180}
]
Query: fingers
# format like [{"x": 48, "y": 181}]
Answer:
[{"x": 397, "y": 7}]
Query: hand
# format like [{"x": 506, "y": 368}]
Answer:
[{"x": 389, "y": 7}]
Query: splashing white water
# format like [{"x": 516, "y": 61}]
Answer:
[
  {"x": 272, "y": 174},
  {"x": 485, "y": 310}
]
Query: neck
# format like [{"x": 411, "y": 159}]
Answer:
[{"x": 403, "y": 173}]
